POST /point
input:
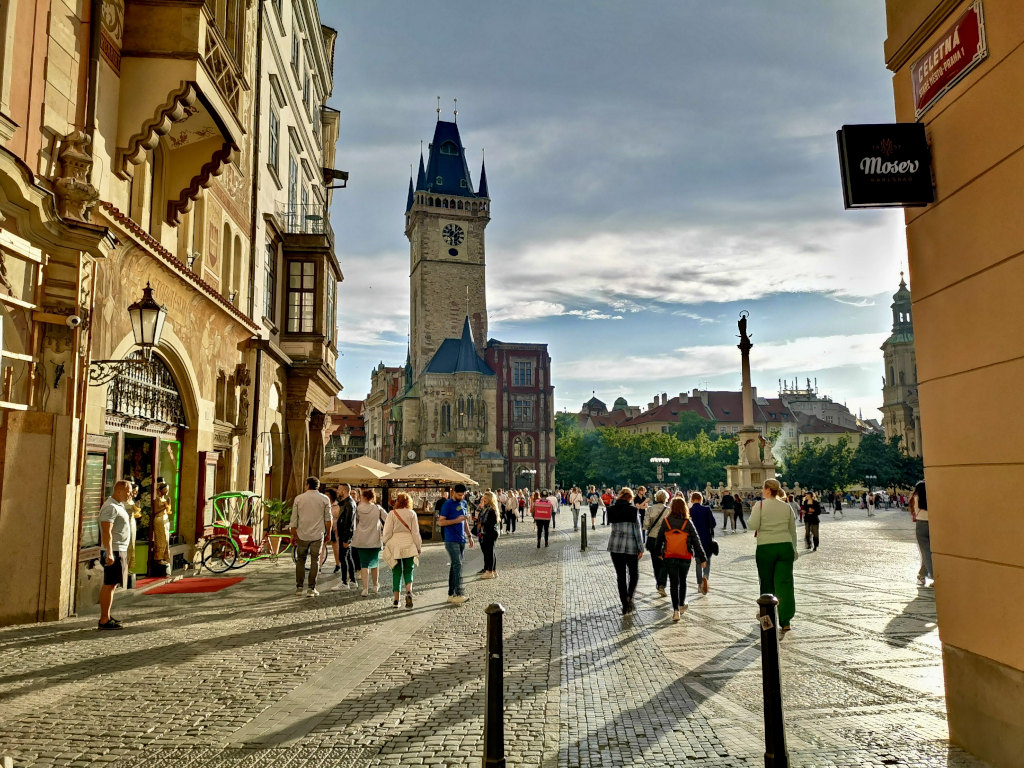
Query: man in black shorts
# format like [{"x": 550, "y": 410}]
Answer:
[{"x": 115, "y": 537}]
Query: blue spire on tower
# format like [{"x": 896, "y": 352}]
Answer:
[
  {"x": 482, "y": 192},
  {"x": 421, "y": 176},
  {"x": 447, "y": 172},
  {"x": 408, "y": 202}
]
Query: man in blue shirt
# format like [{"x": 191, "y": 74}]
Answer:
[{"x": 454, "y": 518}]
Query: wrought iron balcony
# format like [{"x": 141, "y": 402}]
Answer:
[{"x": 309, "y": 219}]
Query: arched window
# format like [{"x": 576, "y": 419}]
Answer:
[
  {"x": 446, "y": 417},
  {"x": 225, "y": 259},
  {"x": 517, "y": 447},
  {"x": 892, "y": 375},
  {"x": 902, "y": 378},
  {"x": 462, "y": 414},
  {"x": 460, "y": 205},
  {"x": 470, "y": 414},
  {"x": 235, "y": 289},
  {"x": 527, "y": 446},
  {"x": 430, "y": 201}
]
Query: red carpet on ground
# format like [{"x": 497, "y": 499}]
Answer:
[
  {"x": 143, "y": 582},
  {"x": 189, "y": 586}
]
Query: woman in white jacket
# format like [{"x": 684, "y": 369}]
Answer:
[{"x": 402, "y": 546}]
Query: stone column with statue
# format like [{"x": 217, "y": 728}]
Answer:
[{"x": 752, "y": 468}]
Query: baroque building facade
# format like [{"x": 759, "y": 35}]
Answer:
[
  {"x": 901, "y": 409},
  {"x": 478, "y": 405},
  {"x": 134, "y": 168}
]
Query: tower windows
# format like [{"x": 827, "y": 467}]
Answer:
[
  {"x": 446, "y": 417},
  {"x": 462, "y": 414},
  {"x": 439, "y": 181},
  {"x": 902, "y": 379},
  {"x": 449, "y": 148},
  {"x": 470, "y": 411},
  {"x": 522, "y": 447},
  {"x": 522, "y": 410},
  {"x": 462, "y": 183},
  {"x": 522, "y": 374},
  {"x": 892, "y": 375}
]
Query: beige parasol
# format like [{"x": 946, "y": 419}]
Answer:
[
  {"x": 354, "y": 473},
  {"x": 429, "y": 470}
]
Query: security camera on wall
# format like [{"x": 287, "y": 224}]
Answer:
[{"x": 73, "y": 321}]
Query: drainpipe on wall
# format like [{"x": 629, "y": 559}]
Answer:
[
  {"x": 254, "y": 212},
  {"x": 92, "y": 94}
]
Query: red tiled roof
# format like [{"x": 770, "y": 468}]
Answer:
[
  {"x": 812, "y": 425},
  {"x": 668, "y": 412}
]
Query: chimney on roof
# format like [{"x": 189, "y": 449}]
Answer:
[
  {"x": 664, "y": 398},
  {"x": 683, "y": 398}
]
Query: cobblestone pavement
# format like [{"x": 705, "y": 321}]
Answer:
[{"x": 254, "y": 676}]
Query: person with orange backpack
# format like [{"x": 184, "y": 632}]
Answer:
[{"x": 678, "y": 542}]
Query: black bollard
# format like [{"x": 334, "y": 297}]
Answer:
[
  {"x": 583, "y": 533},
  {"x": 494, "y": 691},
  {"x": 775, "y": 753}
]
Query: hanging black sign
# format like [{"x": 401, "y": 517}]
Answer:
[{"x": 885, "y": 166}]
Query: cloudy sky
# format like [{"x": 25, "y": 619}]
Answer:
[{"x": 655, "y": 167}]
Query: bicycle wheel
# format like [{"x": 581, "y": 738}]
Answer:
[{"x": 219, "y": 554}]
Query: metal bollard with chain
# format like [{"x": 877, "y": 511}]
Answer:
[
  {"x": 494, "y": 691},
  {"x": 775, "y": 752}
]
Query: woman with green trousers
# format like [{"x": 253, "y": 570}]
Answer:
[
  {"x": 402, "y": 546},
  {"x": 772, "y": 521}
]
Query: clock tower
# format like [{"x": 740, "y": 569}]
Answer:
[{"x": 445, "y": 221}]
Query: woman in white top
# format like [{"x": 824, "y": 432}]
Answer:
[
  {"x": 367, "y": 539},
  {"x": 402, "y": 546},
  {"x": 772, "y": 519}
]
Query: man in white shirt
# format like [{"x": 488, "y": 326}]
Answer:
[
  {"x": 311, "y": 522},
  {"x": 115, "y": 536}
]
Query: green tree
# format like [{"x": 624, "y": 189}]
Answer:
[
  {"x": 692, "y": 424},
  {"x": 819, "y": 465},
  {"x": 566, "y": 424}
]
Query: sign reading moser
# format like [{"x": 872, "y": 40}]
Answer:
[{"x": 885, "y": 166}]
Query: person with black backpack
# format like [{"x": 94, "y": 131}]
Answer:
[{"x": 678, "y": 542}]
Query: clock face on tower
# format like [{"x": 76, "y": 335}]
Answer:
[{"x": 453, "y": 234}]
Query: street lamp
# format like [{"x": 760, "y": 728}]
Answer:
[
  {"x": 147, "y": 318},
  {"x": 531, "y": 472},
  {"x": 659, "y": 463}
]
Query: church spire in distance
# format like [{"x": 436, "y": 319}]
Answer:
[{"x": 483, "y": 191}]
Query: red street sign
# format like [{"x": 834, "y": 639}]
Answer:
[{"x": 958, "y": 51}]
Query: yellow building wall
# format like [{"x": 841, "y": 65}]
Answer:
[{"x": 967, "y": 272}]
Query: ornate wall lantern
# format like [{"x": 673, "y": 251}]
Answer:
[{"x": 147, "y": 318}]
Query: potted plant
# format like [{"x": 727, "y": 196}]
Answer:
[{"x": 278, "y": 513}]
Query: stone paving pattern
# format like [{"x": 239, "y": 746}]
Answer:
[{"x": 254, "y": 676}]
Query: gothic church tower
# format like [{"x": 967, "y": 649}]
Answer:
[
  {"x": 445, "y": 221},
  {"x": 900, "y": 407}
]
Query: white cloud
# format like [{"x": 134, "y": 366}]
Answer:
[
  {"x": 768, "y": 359},
  {"x": 626, "y": 271},
  {"x": 592, "y": 314}
]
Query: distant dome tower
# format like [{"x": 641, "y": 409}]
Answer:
[{"x": 900, "y": 408}]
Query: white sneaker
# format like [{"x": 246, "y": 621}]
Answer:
[
  {"x": 339, "y": 586},
  {"x": 314, "y": 592},
  {"x": 351, "y": 585},
  {"x": 458, "y": 599}
]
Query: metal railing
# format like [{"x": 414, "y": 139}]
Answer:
[{"x": 308, "y": 219}]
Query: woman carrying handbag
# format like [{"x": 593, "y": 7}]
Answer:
[{"x": 402, "y": 546}]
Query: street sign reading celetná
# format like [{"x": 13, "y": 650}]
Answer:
[
  {"x": 885, "y": 166},
  {"x": 959, "y": 50}
]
